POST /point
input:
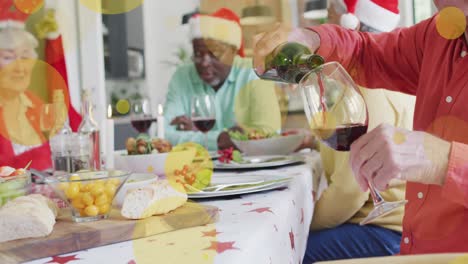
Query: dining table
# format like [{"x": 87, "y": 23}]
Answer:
[{"x": 264, "y": 227}]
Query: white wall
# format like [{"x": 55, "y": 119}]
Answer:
[{"x": 163, "y": 33}]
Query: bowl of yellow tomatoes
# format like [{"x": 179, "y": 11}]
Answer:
[{"x": 89, "y": 194}]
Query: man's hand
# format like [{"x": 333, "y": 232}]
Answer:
[
  {"x": 265, "y": 43},
  {"x": 183, "y": 123},
  {"x": 224, "y": 141},
  {"x": 387, "y": 152}
]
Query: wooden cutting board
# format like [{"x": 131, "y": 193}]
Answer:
[{"x": 69, "y": 236}]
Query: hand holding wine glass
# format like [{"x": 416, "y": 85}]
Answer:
[
  {"x": 204, "y": 114},
  {"x": 338, "y": 116}
]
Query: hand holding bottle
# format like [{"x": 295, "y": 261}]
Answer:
[{"x": 265, "y": 43}]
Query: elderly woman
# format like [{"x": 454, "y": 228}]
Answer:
[{"x": 21, "y": 140}]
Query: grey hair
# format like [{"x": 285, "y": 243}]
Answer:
[{"x": 11, "y": 38}]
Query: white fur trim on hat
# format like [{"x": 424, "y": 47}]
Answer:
[
  {"x": 11, "y": 24},
  {"x": 216, "y": 28},
  {"x": 349, "y": 21},
  {"x": 376, "y": 16}
]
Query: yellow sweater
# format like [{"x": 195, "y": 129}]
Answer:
[{"x": 343, "y": 201}]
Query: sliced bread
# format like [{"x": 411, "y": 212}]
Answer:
[{"x": 155, "y": 199}]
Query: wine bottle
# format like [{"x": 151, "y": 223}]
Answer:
[
  {"x": 88, "y": 127},
  {"x": 289, "y": 62}
]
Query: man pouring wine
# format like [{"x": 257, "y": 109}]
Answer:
[
  {"x": 218, "y": 90},
  {"x": 427, "y": 60}
]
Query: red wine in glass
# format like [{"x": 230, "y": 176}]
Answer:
[
  {"x": 204, "y": 124},
  {"x": 341, "y": 137},
  {"x": 142, "y": 125}
]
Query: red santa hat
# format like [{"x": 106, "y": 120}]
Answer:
[
  {"x": 223, "y": 25},
  {"x": 382, "y": 15},
  {"x": 10, "y": 16}
]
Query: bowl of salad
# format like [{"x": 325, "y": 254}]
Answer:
[
  {"x": 13, "y": 183},
  {"x": 259, "y": 143}
]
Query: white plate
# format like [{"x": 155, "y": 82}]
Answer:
[
  {"x": 214, "y": 154},
  {"x": 283, "y": 160},
  {"x": 230, "y": 179}
]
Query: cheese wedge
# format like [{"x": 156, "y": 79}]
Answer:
[
  {"x": 27, "y": 216},
  {"x": 156, "y": 199}
]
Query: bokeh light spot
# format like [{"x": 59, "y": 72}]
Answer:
[
  {"x": 35, "y": 99},
  {"x": 399, "y": 138},
  {"x": 122, "y": 106},
  {"x": 189, "y": 167},
  {"x": 451, "y": 22},
  {"x": 29, "y": 6},
  {"x": 112, "y": 7}
]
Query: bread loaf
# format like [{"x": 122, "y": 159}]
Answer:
[
  {"x": 27, "y": 216},
  {"x": 156, "y": 199}
]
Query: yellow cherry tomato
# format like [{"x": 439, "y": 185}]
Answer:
[
  {"x": 97, "y": 190},
  {"x": 87, "y": 198},
  {"x": 103, "y": 209},
  {"x": 72, "y": 191},
  {"x": 114, "y": 181},
  {"x": 102, "y": 199},
  {"x": 110, "y": 190},
  {"x": 91, "y": 210},
  {"x": 77, "y": 203},
  {"x": 63, "y": 186},
  {"x": 82, "y": 212},
  {"x": 87, "y": 187}
]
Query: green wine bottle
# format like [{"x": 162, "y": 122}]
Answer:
[{"x": 289, "y": 62}]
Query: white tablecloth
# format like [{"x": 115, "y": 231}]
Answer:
[{"x": 267, "y": 227}]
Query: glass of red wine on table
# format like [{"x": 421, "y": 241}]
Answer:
[
  {"x": 337, "y": 114},
  {"x": 204, "y": 114},
  {"x": 141, "y": 115}
]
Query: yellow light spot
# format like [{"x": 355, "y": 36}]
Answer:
[
  {"x": 399, "y": 138},
  {"x": 29, "y": 6},
  {"x": 111, "y": 7},
  {"x": 460, "y": 260},
  {"x": 150, "y": 169},
  {"x": 451, "y": 22},
  {"x": 190, "y": 165},
  {"x": 122, "y": 106},
  {"x": 48, "y": 97}
]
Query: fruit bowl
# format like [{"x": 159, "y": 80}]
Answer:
[
  {"x": 281, "y": 145},
  {"x": 14, "y": 186},
  {"x": 89, "y": 194}
]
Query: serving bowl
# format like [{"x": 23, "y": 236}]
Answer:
[
  {"x": 89, "y": 194},
  {"x": 151, "y": 163},
  {"x": 281, "y": 145},
  {"x": 13, "y": 187}
]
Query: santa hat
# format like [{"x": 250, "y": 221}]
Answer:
[
  {"x": 382, "y": 15},
  {"x": 10, "y": 16},
  {"x": 223, "y": 25}
]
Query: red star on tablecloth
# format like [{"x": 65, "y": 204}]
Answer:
[
  {"x": 220, "y": 247},
  {"x": 211, "y": 233},
  {"x": 291, "y": 238},
  {"x": 302, "y": 215},
  {"x": 131, "y": 262},
  {"x": 63, "y": 260},
  {"x": 250, "y": 203},
  {"x": 262, "y": 210}
]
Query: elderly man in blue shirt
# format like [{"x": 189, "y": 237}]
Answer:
[{"x": 242, "y": 101}]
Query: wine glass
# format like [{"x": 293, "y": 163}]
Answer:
[
  {"x": 204, "y": 114},
  {"x": 141, "y": 115},
  {"x": 337, "y": 115}
]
